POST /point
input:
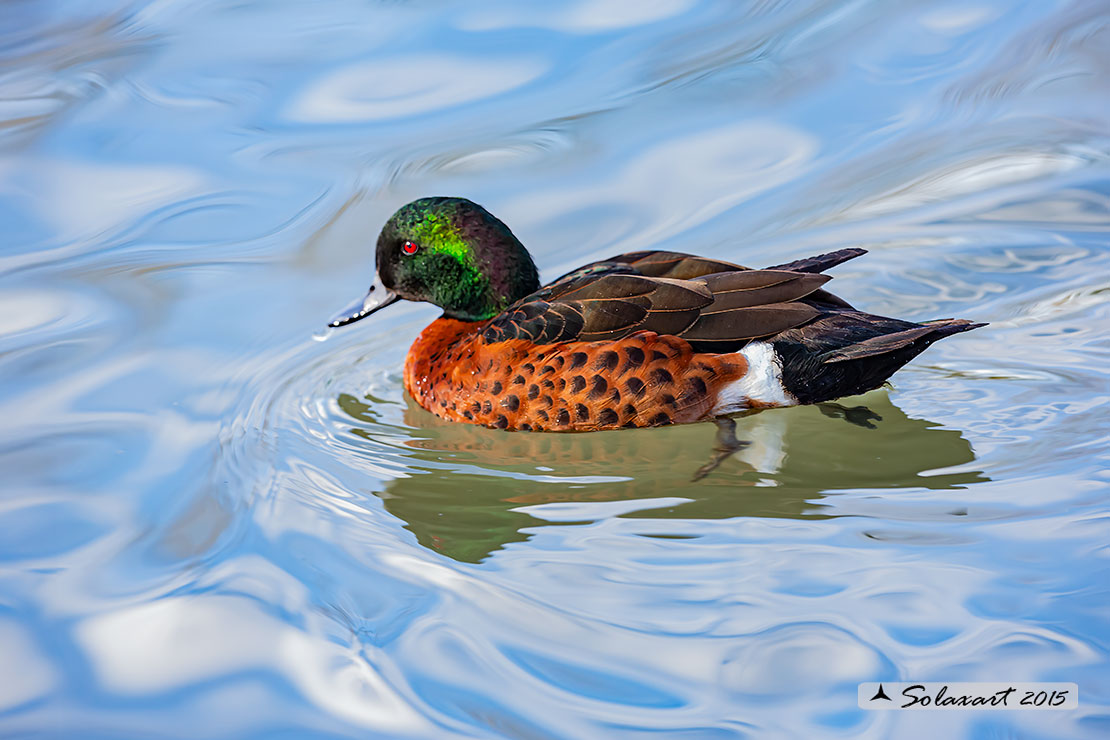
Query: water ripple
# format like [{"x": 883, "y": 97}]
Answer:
[{"x": 213, "y": 526}]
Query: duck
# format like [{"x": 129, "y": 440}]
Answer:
[{"x": 642, "y": 339}]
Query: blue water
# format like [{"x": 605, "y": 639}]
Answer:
[{"x": 213, "y": 525}]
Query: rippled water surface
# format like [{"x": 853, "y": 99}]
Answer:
[{"x": 213, "y": 526}]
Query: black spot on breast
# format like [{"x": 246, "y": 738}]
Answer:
[
  {"x": 661, "y": 376},
  {"x": 578, "y": 359},
  {"x": 598, "y": 386},
  {"x": 511, "y": 402},
  {"x": 606, "y": 360},
  {"x": 659, "y": 420},
  {"x": 629, "y": 410},
  {"x": 475, "y": 407},
  {"x": 607, "y": 417},
  {"x": 518, "y": 380},
  {"x": 634, "y": 357},
  {"x": 696, "y": 386},
  {"x": 525, "y": 427},
  {"x": 561, "y": 383},
  {"x": 501, "y": 422},
  {"x": 581, "y": 413},
  {"x": 710, "y": 372},
  {"x": 635, "y": 386},
  {"x": 559, "y": 361},
  {"x": 528, "y": 368},
  {"x": 577, "y": 383},
  {"x": 543, "y": 415},
  {"x": 533, "y": 390},
  {"x": 669, "y": 400},
  {"x": 496, "y": 388},
  {"x": 546, "y": 401},
  {"x": 546, "y": 369},
  {"x": 547, "y": 383},
  {"x": 656, "y": 356},
  {"x": 563, "y": 417},
  {"x": 615, "y": 396},
  {"x": 486, "y": 408},
  {"x": 468, "y": 415}
]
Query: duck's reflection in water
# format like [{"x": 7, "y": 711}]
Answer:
[{"x": 466, "y": 505}]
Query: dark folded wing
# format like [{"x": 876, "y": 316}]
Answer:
[
  {"x": 716, "y": 306},
  {"x": 751, "y": 304}
]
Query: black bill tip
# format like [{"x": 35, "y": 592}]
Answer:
[{"x": 377, "y": 298}]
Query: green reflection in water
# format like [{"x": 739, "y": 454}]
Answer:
[{"x": 473, "y": 478}]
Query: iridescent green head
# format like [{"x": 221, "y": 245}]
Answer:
[{"x": 450, "y": 252}]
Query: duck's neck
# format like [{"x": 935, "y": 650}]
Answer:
[{"x": 486, "y": 284}]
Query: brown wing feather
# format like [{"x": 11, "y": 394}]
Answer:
[
  {"x": 821, "y": 262},
  {"x": 758, "y": 288},
  {"x": 673, "y": 264},
  {"x": 741, "y": 324},
  {"x": 610, "y": 315},
  {"x": 664, "y": 306}
]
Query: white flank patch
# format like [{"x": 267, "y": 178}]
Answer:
[{"x": 762, "y": 383}]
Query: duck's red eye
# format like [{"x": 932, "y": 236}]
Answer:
[{"x": 409, "y": 248}]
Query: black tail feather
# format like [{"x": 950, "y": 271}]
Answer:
[
  {"x": 847, "y": 352},
  {"x": 887, "y": 343}
]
